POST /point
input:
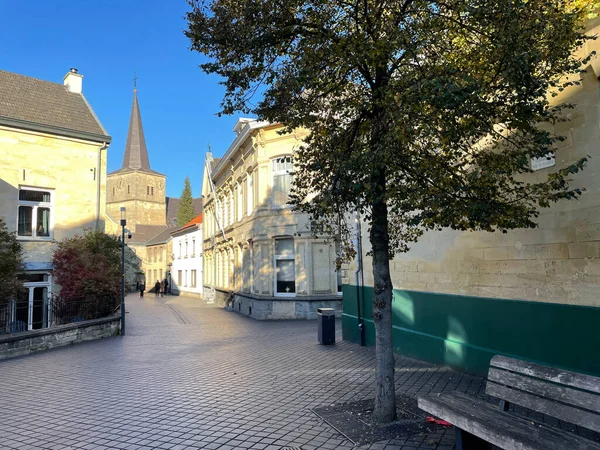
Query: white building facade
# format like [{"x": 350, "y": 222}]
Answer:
[{"x": 186, "y": 268}]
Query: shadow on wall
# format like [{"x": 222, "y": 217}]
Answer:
[
  {"x": 266, "y": 223},
  {"x": 466, "y": 332}
]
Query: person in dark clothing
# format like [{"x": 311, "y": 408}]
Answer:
[
  {"x": 167, "y": 287},
  {"x": 142, "y": 289},
  {"x": 156, "y": 288}
]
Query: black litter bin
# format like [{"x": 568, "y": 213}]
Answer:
[{"x": 326, "y": 319}]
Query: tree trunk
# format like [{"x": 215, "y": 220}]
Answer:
[{"x": 385, "y": 396}]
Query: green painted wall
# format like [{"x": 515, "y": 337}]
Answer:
[{"x": 465, "y": 332}]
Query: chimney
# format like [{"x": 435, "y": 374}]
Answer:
[{"x": 73, "y": 81}]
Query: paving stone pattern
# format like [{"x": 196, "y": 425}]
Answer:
[{"x": 189, "y": 375}]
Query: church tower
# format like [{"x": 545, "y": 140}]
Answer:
[{"x": 135, "y": 186}]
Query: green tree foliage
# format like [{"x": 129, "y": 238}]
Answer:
[
  {"x": 186, "y": 212},
  {"x": 11, "y": 263},
  {"x": 88, "y": 266},
  {"x": 422, "y": 114}
]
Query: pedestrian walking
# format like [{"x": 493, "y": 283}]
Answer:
[
  {"x": 162, "y": 288},
  {"x": 167, "y": 287},
  {"x": 142, "y": 289},
  {"x": 156, "y": 288}
]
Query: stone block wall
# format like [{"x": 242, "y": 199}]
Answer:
[
  {"x": 557, "y": 262},
  {"x": 20, "y": 344},
  {"x": 284, "y": 308},
  {"x": 66, "y": 167},
  {"x": 130, "y": 189}
]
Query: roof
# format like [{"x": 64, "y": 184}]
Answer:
[
  {"x": 244, "y": 128},
  {"x": 173, "y": 207},
  {"x": 161, "y": 237},
  {"x": 43, "y": 106},
  {"x": 144, "y": 233},
  {"x": 136, "y": 157},
  {"x": 136, "y": 153},
  {"x": 196, "y": 221}
]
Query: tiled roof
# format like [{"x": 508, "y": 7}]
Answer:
[
  {"x": 31, "y": 102},
  {"x": 188, "y": 226},
  {"x": 196, "y": 220}
]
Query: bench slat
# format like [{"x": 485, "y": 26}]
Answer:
[
  {"x": 561, "y": 411},
  {"x": 545, "y": 389},
  {"x": 505, "y": 430},
  {"x": 573, "y": 379}
]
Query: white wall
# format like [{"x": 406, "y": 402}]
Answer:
[{"x": 187, "y": 262}]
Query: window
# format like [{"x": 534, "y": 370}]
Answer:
[
  {"x": 240, "y": 213},
  {"x": 179, "y": 249},
  {"x": 338, "y": 254},
  {"x": 193, "y": 280},
  {"x": 113, "y": 191},
  {"x": 34, "y": 213},
  {"x": 185, "y": 278},
  {"x": 250, "y": 192},
  {"x": 193, "y": 247},
  {"x": 160, "y": 275},
  {"x": 147, "y": 190},
  {"x": 282, "y": 179},
  {"x": 151, "y": 190},
  {"x": 186, "y": 249},
  {"x": 179, "y": 278},
  {"x": 160, "y": 254},
  {"x": 285, "y": 267},
  {"x": 128, "y": 189},
  {"x": 230, "y": 217}
]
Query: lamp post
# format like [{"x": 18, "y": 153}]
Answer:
[{"x": 123, "y": 223}]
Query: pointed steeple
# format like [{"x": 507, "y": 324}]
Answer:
[{"x": 136, "y": 153}]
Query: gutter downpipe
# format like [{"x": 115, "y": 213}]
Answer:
[
  {"x": 104, "y": 146},
  {"x": 360, "y": 281}
]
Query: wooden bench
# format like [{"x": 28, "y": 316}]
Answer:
[{"x": 568, "y": 396}]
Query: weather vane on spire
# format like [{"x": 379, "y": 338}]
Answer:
[{"x": 134, "y": 81}]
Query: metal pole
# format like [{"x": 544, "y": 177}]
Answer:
[{"x": 123, "y": 279}]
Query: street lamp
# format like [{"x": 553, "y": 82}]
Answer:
[{"x": 123, "y": 223}]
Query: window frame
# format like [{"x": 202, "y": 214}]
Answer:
[
  {"x": 282, "y": 172},
  {"x": 34, "y": 207},
  {"x": 250, "y": 193},
  {"x": 276, "y": 258}
]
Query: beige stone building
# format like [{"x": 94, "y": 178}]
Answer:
[
  {"x": 52, "y": 173},
  {"x": 461, "y": 297},
  {"x": 260, "y": 257}
]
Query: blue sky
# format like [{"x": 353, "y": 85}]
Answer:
[{"x": 107, "y": 40}]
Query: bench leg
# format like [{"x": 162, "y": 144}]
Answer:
[{"x": 467, "y": 441}]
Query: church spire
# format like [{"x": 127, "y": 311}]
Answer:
[{"x": 136, "y": 153}]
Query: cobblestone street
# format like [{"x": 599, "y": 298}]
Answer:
[{"x": 189, "y": 375}]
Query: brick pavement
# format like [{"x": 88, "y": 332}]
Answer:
[{"x": 189, "y": 376}]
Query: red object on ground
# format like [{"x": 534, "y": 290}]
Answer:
[{"x": 438, "y": 421}]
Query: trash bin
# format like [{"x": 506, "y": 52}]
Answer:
[{"x": 326, "y": 319}]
